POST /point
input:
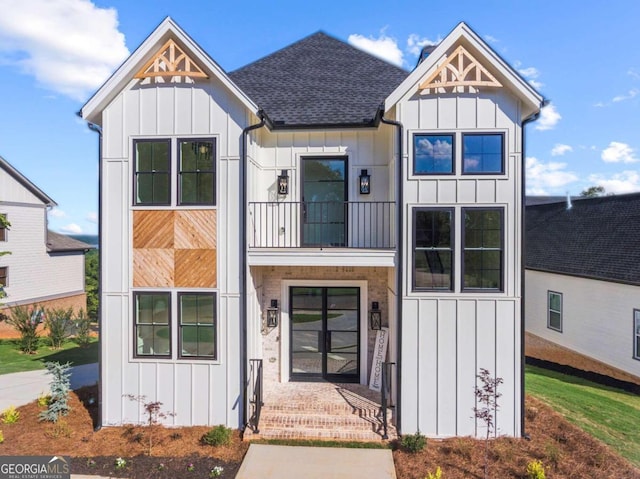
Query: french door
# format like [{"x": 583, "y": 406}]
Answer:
[{"x": 325, "y": 334}]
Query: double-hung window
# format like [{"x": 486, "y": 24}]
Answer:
[
  {"x": 3, "y": 227},
  {"x": 4, "y": 276},
  {"x": 197, "y": 325},
  {"x": 433, "y": 249},
  {"x": 482, "y": 252},
  {"x": 636, "y": 334},
  {"x": 152, "y": 313},
  {"x": 554, "y": 304},
  {"x": 196, "y": 171},
  {"x": 152, "y": 172}
]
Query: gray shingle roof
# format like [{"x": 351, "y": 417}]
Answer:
[
  {"x": 319, "y": 80},
  {"x": 58, "y": 243},
  {"x": 597, "y": 238}
]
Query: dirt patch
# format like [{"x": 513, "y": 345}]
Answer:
[{"x": 566, "y": 451}]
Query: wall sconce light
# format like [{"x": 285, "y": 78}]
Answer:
[
  {"x": 375, "y": 316},
  {"x": 283, "y": 182},
  {"x": 272, "y": 314},
  {"x": 365, "y": 182}
]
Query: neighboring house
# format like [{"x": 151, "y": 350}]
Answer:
[
  {"x": 267, "y": 212},
  {"x": 582, "y": 277},
  {"x": 44, "y": 267}
]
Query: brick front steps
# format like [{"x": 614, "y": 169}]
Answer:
[{"x": 341, "y": 412}]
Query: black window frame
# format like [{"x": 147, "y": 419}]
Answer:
[
  {"x": 453, "y": 136},
  {"x": 214, "y": 326},
  {"x": 559, "y": 312},
  {"x": 452, "y": 249},
  {"x": 3, "y": 229},
  {"x": 464, "y": 249},
  {"x": 636, "y": 334},
  {"x": 4, "y": 276},
  {"x": 502, "y": 153},
  {"x": 168, "y": 173},
  {"x": 166, "y": 294},
  {"x": 179, "y": 170}
]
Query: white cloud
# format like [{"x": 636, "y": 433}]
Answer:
[
  {"x": 57, "y": 213},
  {"x": 415, "y": 43},
  {"x": 531, "y": 74},
  {"x": 71, "y": 228},
  {"x": 549, "y": 117},
  {"x": 618, "y": 152},
  {"x": 491, "y": 39},
  {"x": 384, "y": 47},
  {"x": 633, "y": 73},
  {"x": 544, "y": 176},
  {"x": 618, "y": 183},
  {"x": 69, "y": 46},
  {"x": 92, "y": 217},
  {"x": 632, "y": 94},
  {"x": 560, "y": 149}
]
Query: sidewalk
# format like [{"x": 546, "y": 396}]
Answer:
[{"x": 18, "y": 389}]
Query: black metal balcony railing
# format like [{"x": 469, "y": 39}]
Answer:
[{"x": 325, "y": 224}]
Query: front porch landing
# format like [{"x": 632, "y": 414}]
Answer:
[{"x": 322, "y": 410}]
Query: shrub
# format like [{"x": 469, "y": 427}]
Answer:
[
  {"x": 59, "y": 397},
  {"x": 218, "y": 436},
  {"x": 58, "y": 323},
  {"x": 413, "y": 442},
  {"x": 535, "y": 470},
  {"x": 1, "y": 437},
  {"x": 10, "y": 415},
  {"x": 82, "y": 324},
  {"x": 43, "y": 400},
  {"x": 26, "y": 321},
  {"x": 154, "y": 412},
  {"x": 435, "y": 475},
  {"x": 487, "y": 396}
]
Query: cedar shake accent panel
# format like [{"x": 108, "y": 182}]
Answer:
[
  {"x": 195, "y": 268},
  {"x": 153, "y": 229},
  {"x": 153, "y": 268},
  {"x": 195, "y": 229}
]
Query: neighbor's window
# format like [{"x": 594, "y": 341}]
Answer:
[
  {"x": 554, "y": 320},
  {"x": 197, "y": 325},
  {"x": 482, "y": 153},
  {"x": 152, "y": 171},
  {"x": 433, "y": 249},
  {"x": 152, "y": 313},
  {"x": 197, "y": 174},
  {"x": 636, "y": 336},
  {"x": 3, "y": 228},
  {"x": 482, "y": 249},
  {"x": 4, "y": 276},
  {"x": 433, "y": 154}
]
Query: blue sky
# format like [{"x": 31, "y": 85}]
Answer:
[{"x": 582, "y": 57}]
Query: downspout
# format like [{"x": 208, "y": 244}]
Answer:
[
  {"x": 399, "y": 261},
  {"x": 243, "y": 262},
  {"x": 523, "y": 193},
  {"x": 95, "y": 128}
]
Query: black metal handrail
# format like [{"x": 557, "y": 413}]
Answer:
[
  {"x": 386, "y": 398},
  {"x": 255, "y": 382},
  {"x": 325, "y": 224}
]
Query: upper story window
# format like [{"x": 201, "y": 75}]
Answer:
[
  {"x": 482, "y": 240},
  {"x": 154, "y": 162},
  {"x": 433, "y": 154},
  {"x": 554, "y": 303},
  {"x": 3, "y": 227},
  {"x": 433, "y": 249},
  {"x": 482, "y": 153},
  {"x": 152, "y": 172},
  {"x": 4, "y": 276},
  {"x": 636, "y": 334}
]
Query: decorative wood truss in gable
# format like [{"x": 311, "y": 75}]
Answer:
[
  {"x": 460, "y": 69},
  {"x": 170, "y": 61}
]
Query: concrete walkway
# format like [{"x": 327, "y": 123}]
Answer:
[
  {"x": 297, "y": 462},
  {"x": 18, "y": 389}
]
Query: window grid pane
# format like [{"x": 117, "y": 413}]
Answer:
[
  {"x": 555, "y": 311},
  {"x": 482, "y": 262},
  {"x": 433, "y": 253},
  {"x": 433, "y": 154},
  {"x": 153, "y": 334},
  {"x": 152, "y": 172},
  {"x": 636, "y": 352},
  {"x": 197, "y": 172},
  {"x": 3, "y": 230},
  {"x": 482, "y": 153},
  {"x": 4, "y": 273},
  {"x": 197, "y": 325}
]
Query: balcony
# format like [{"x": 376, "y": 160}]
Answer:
[{"x": 334, "y": 227}]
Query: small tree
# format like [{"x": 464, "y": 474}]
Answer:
[
  {"x": 486, "y": 407},
  {"x": 58, "y": 323},
  {"x": 60, "y": 387},
  {"x": 82, "y": 326},
  {"x": 26, "y": 321},
  {"x": 154, "y": 413}
]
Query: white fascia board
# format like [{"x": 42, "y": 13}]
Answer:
[
  {"x": 92, "y": 109},
  {"x": 533, "y": 100}
]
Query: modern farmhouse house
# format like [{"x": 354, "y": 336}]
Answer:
[
  {"x": 583, "y": 281},
  {"x": 276, "y": 237},
  {"x": 44, "y": 267}
]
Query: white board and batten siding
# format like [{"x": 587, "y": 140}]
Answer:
[
  {"x": 597, "y": 316},
  {"x": 199, "y": 392},
  {"x": 448, "y": 337}
]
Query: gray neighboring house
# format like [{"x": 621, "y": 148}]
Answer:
[{"x": 583, "y": 277}]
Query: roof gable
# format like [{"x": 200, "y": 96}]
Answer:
[
  {"x": 319, "y": 81},
  {"x": 148, "y": 61},
  {"x": 26, "y": 183},
  {"x": 464, "y": 60}
]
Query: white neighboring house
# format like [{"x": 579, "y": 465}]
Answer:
[
  {"x": 44, "y": 267},
  {"x": 267, "y": 213},
  {"x": 582, "y": 277}
]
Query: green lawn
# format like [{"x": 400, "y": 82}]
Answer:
[
  {"x": 12, "y": 360},
  {"x": 611, "y": 415}
]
